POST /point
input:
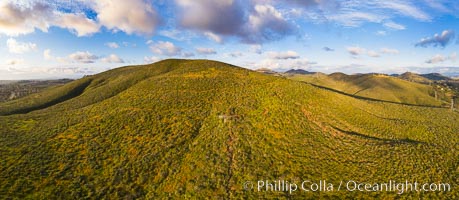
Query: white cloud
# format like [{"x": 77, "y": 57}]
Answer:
[
  {"x": 214, "y": 37},
  {"x": 17, "y": 19},
  {"x": 19, "y": 47},
  {"x": 266, "y": 24},
  {"x": 165, "y": 48},
  {"x": 442, "y": 39},
  {"x": 356, "y": 51},
  {"x": 206, "y": 51},
  {"x": 251, "y": 23},
  {"x": 77, "y": 23},
  {"x": 403, "y": 8},
  {"x": 356, "y": 18},
  {"x": 381, "y": 33},
  {"x": 112, "y": 45},
  {"x": 179, "y": 35},
  {"x": 354, "y": 13},
  {"x": 389, "y": 51},
  {"x": 373, "y": 54},
  {"x": 224, "y": 17},
  {"x": 47, "y": 54},
  {"x": 134, "y": 16},
  {"x": 438, "y": 58},
  {"x": 283, "y": 55},
  {"x": 112, "y": 59},
  {"x": 395, "y": 26},
  {"x": 82, "y": 57},
  {"x": 283, "y": 65}
]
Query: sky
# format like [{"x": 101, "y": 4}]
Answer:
[{"x": 42, "y": 39}]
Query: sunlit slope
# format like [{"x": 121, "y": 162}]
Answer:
[
  {"x": 374, "y": 86},
  {"x": 196, "y": 129}
]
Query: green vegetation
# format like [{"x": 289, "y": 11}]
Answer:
[
  {"x": 378, "y": 86},
  {"x": 199, "y": 129}
]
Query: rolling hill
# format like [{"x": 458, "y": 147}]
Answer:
[
  {"x": 195, "y": 129},
  {"x": 377, "y": 86}
]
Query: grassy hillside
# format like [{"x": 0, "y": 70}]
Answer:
[
  {"x": 413, "y": 77},
  {"x": 376, "y": 86},
  {"x": 202, "y": 129}
]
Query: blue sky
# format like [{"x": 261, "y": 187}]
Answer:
[{"x": 62, "y": 38}]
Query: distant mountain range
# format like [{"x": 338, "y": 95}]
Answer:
[{"x": 446, "y": 74}]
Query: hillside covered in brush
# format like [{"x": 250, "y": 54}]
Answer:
[
  {"x": 195, "y": 129},
  {"x": 378, "y": 86}
]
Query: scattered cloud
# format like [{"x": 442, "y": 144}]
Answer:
[
  {"x": 165, "y": 48},
  {"x": 381, "y": 33},
  {"x": 257, "y": 24},
  {"x": 205, "y": 51},
  {"x": 112, "y": 59},
  {"x": 127, "y": 44},
  {"x": 354, "y": 13},
  {"x": 134, "y": 16},
  {"x": 373, "y": 54},
  {"x": 217, "y": 17},
  {"x": 112, "y": 45},
  {"x": 47, "y": 54},
  {"x": 328, "y": 49},
  {"x": 284, "y": 65},
  {"x": 283, "y": 55},
  {"x": 394, "y": 26},
  {"x": 82, "y": 57},
  {"x": 76, "y": 23},
  {"x": 18, "y": 19},
  {"x": 405, "y": 8},
  {"x": 356, "y": 51},
  {"x": 214, "y": 37},
  {"x": 438, "y": 58},
  {"x": 179, "y": 35},
  {"x": 266, "y": 24},
  {"x": 389, "y": 51},
  {"x": 437, "y": 40},
  {"x": 356, "y": 18},
  {"x": 19, "y": 47}
]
